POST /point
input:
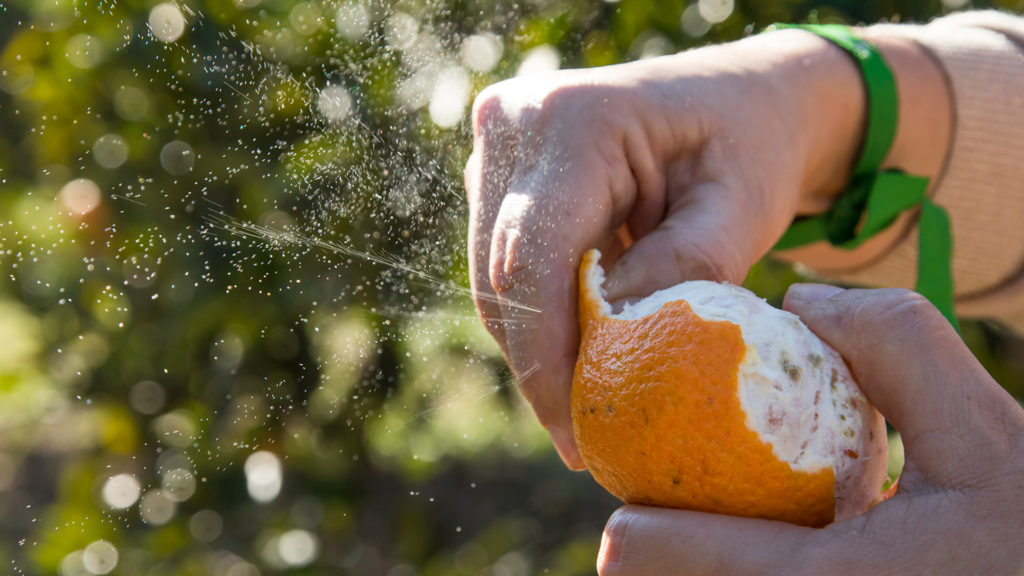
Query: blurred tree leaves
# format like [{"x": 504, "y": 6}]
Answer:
[{"x": 264, "y": 264}]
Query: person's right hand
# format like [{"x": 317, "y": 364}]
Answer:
[
  {"x": 958, "y": 508},
  {"x": 702, "y": 158}
]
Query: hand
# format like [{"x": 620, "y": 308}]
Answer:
[
  {"x": 703, "y": 158},
  {"x": 958, "y": 508}
]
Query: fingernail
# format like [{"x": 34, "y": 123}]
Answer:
[
  {"x": 810, "y": 293},
  {"x": 608, "y": 554},
  {"x": 611, "y": 281},
  {"x": 611, "y": 538},
  {"x": 615, "y": 286}
]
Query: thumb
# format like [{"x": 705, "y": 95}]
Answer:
[
  {"x": 913, "y": 367},
  {"x": 707, "y": 237},
  {"x": 639, "y": 541}
]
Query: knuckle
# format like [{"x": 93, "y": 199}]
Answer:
[
  {"x": 487, "y": 106},
  {"x": 895, "y": 312},
  {"x": 810, "y": 555},
  {"x": 510, "y": 268},
  {"x": 561, "y": 96},
  {"x": 700, "y": 262},
  {"x": 907, "y": 300},
  {"x": 509, "y": 277},
  {"x": 882, "y": 323}
]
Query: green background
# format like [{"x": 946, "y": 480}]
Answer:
[{"x": 288, "y": 284}]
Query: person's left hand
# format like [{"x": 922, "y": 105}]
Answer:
[{"x": 959, "y": 507}]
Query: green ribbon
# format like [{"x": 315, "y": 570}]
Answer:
[{"x": 874, "y": 198}]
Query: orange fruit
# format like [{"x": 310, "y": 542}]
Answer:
[{"x": 705, "y": 397}]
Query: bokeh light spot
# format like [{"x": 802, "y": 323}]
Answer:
[
  {"x": 205, "y": 526},
  {"x": 84, "y": 51},
  {"x": 450, "y": 96},
  {"x": 156, "y": 508},
  {"x": 401, "y": 30},
  {"x": 481, "y": 52},
  {"x": 334, "y": 103},
  {"x": 179, "y": 484},
  {"x": 177, "y": 157},
  {"x": 166, "y": 22},
  {"x": 263, "y": 477},
  {"x": 147, "y": 397},
  {"x": 100, "y": 557},
  {"x": 131, "y": 103},
  {"x": 715, "y": 11},
  {"x": 121, "y": 491},
  {"x": 175, "y": 429},
  {"x": 297, "y": 548},
  {"x": 543, "y": 58},
  {"x": 73, "y": 565},
  {"x": 80, "y": 196},
  {"x": 352, "y": 21},
  {"x": 305, "y": 18},
  {"x": 110, "y": 151},
  {"x": 693, "y": 24}
]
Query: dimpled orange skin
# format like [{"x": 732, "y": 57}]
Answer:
[{"x": 658, "y": 421}]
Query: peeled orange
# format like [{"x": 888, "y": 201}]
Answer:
[{"x": 705, "y": 397}]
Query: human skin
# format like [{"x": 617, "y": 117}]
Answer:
[
  {"x": 958, "y": 508},
  {"x": 678, "y": 168}
]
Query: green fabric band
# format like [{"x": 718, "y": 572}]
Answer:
[{"x": 874, "y": 198}]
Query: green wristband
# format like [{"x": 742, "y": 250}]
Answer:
[{"x": 875, "y": 198}]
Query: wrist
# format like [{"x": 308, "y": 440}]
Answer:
[{"x": 835, "y": 106}]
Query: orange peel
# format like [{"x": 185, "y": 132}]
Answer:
[{"x": 704, "y": 397}]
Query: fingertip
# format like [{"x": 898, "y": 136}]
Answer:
[
  {"x": 565, "y": 445},
  {"x": 799, "y": 297},
  {"x": 611, "y": 540},
  {"x": 617, "y": 283}
]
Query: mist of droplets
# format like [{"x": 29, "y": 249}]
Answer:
[{"x": 332, "y": 183}]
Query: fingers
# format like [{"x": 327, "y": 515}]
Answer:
[
  {"x": 706, "y": 239},
  {"x": 488, "y": 173},
  {"x": 641, "y": 541},
  {"x": 534, "y": 259},
  {"x": 914, "y": 367},
  {"x": 542, "y": 378}
]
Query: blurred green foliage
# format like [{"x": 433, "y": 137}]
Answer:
[{"x": 236, "y": 227}]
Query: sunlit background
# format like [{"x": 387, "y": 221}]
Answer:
[{"x": 235, "y": 334}]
